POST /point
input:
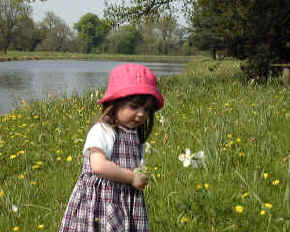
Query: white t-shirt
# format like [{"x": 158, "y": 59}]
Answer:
[{"x": 102, "y": 136}]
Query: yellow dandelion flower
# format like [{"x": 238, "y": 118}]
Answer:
[
  {"x": 206, "y": 186},
  {"x": 158, "y": 175},
  {"x": 241, "y": 154},
  {"x": 20, "y": 152},
  {"x": 33, "y": 182},
  {"x": 36, "y": 166},
  {"x": 21, "y": 176},
  {"x": 266, "y": 175},
  {"x": 276, "y": 182},
  {"x": 245, "y": 195},
  {"x": 156, "y": 168},
  {"x": 12, "y": 156},
  {"x": 40, "y": 227},
  {"x": 238, "y": 140},
  {"x": 184, "y": 219},
  {"x": 263, "y": 212},
  {"x": 58, "y": 158},
  {"x": 69, "y": 158},
  {"x": 198, "y": 186},
  {"x": 229, "y": 136},
  {"x": 1, "y": 193},
  {"x": 39, "y": 163},
  {"x": 268, "y": 205},
  {"x": 15, "y": 228},
  {"x": 58, "y": 151},
  {"x": 239, "y": 209}
]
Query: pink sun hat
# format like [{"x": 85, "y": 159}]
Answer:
[{"x": 132, "y": 79}]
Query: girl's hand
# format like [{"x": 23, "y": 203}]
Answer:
[{"x": 139, "y": 181}]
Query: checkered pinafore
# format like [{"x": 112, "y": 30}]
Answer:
[{"x": 101, "y": 205}]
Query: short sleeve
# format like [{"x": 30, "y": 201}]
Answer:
[{"x": 102, "y": 136}]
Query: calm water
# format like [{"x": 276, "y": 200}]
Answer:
[{"x": 32, "y": 80}]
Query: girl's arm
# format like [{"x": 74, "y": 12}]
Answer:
[{"x": 109, "y": 170}]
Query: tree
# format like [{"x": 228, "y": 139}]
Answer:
[
  {"x": 58, "y": 35},
  {"x": 10, "y": 13},
  {"x": 124, "y": 40},
  {"x": 91, "y": 31},
  {"x": 256, "y": 30}
]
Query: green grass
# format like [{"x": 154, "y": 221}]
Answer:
[
  {"x": 243, "y": 129},
  {"x": 16, "y": 55}
]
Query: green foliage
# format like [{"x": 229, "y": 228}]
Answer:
[
  {"x": 244, "y": 131},
  {"x": 91, "y": 31}
]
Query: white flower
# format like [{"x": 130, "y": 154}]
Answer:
[
  {"x": 148, "y": 148},
  {"x": 198, "y": 159},
  {"x": 185, "y": 158},
  {"x": 14, "y": 208},
  {"x": 162, "y": 120}
]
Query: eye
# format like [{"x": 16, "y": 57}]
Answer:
[{"x": 133, "y": 106}]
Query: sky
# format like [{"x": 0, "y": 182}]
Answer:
[{"x": 68, "y": 10}]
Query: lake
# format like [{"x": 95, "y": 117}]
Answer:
[{"x": 34, "y": 80}]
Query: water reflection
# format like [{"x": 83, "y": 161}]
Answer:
[{"x": 31, "y": 80}]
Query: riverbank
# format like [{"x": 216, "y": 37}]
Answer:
[
  {"x": 243, "y": 130},
  {"x": 18, "y": 56}
]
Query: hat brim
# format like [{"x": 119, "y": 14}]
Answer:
[{"x": 129, "y": 91}]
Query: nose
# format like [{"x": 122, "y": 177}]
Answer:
[{"x": 141, "y": 112}]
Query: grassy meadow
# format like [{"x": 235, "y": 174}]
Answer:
[{"x": 244, "y": 131}]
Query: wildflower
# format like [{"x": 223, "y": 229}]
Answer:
[
  {"x": 12, "y": 156},
  {"x": 198, "y": 159},
  {"x": 184, "y": 219},
  {"x": 263, "y": 212},
  {"x": 21, "y": 176},
  {"x": 245, "y": 195},
  {"x": 33, "y": 182},
  {"x": 206, "y": 186},
  {"x": 229, "y": 136},
  {"x": 1, "y": 193},
  {"x": 266, "y": 175},
  {"x": 36, "y": 166},
  {"x": 58, "y": 158},
  {"x": 241, "y": 154},
  {"x": 69, "y": 158},
  {"x": 238, "y": 140},
  {"x": 40, "y": 227},
  {"x": 198, "y": 186},
  {"x": 185, "y": 158},
  {"x": 162, "y": 120},
  {"x": 158, "y": 175},
  {"x": 148, "y": 148},
  {"x": 268, "y": 205},
  {"x": 276, "y": 182},
  {"x": 15, "y": 228},
  {"x": 20, "y": 152},
  {"x": 239, "y": 209},
  {"x": 14, "y": 208}
]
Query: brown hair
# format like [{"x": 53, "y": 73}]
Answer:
[{"x": 110, "y": 109}]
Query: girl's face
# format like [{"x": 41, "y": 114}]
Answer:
[{"x": 132, "y": 115}]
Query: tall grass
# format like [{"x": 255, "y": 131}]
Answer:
[{"x": 243, "y": 129}]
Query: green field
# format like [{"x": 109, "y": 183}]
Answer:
[{"x": 244, "y": 131}]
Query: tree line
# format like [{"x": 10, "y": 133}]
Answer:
[
  {"x": 91, "y": 34},
  {"x": 257, "y": 31}
]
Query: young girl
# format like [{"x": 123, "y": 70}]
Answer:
[{"x": 108, "y": 196}]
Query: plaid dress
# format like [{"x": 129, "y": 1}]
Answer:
[{"x": 101, "y": 205}]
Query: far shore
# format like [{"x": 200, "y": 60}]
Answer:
[{"x": 21, "y": 56}]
